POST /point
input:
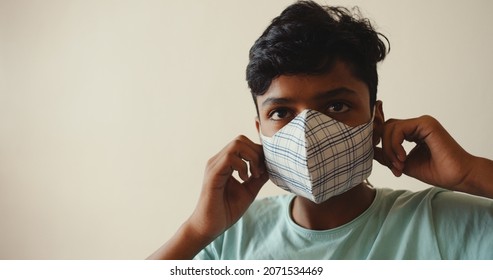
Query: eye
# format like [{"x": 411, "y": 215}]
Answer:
[
  {"x": 337, "y": 107},
  {"x": 280, "y": 114}
]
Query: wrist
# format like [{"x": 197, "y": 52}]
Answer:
[
  {"x": 479, "y": 177},
  {"x": 185, "y": 244},
  {"x": 190, "y": 230}
]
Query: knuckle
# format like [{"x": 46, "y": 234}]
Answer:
[
  {"x": 391, "y": 121},
  {"x": 240, "y": 138},
  {"x": 211, "y": 161},
  {"x": 237, "y": 141},
  {"x": 427, "y": 119},
  {"x": 228, "y": 156}
]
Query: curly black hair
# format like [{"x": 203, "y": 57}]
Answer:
[{"x": 308, "y": 38}]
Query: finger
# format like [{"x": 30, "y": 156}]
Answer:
[
  {"x": 254, "y": 164},
  {"x": 379, "y": 156},
  {"x": 237, "y": 164},
  {"x": 251, "y": 152},
  {"x": 220, "y": 168},
  {"x": 255, "y": 184},
  {"x": 390, "y": 143},
  {"x": 243, "y": 141},
  {"x": 398, "y": 135},
  {"x": 241, "y": 154},
  {"x": 254, "y": 161}
]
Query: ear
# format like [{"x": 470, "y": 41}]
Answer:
[
  {"x": 257, "y": 124},
  {"x": 378, "y": 122}
]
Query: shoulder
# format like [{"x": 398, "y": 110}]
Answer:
[
  {"x": 453, "y": 209},
  {"x": 436, "y": 200},
  {"x": 462, "y": 224},
  {"x": 453, "y": 225},
  {"x": 459, "y": 202},
  {"x": 405, "y": 199}
]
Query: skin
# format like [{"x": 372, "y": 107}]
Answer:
[
  {"x": 342, "y": 97},
  {"x": 437, "y": 160}
]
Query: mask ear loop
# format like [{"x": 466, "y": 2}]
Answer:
[{"x": 366, "y": 181}]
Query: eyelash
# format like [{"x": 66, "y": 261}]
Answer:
[
  {"x": 277, "y": 110},
  {"x": 332, "y": 104},
  {"x": 289, "y": 111}
]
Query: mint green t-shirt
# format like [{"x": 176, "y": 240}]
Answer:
[{"x": 430, "y": 224}]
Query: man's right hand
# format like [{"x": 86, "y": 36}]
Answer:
[{"x": 223, "y": 199}]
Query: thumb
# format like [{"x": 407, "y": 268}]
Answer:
[
  {"x": 378, "y": 155},
  {"x": 253, "y": 185}
]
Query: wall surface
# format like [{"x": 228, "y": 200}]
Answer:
[{"x": 109, "y": 110}]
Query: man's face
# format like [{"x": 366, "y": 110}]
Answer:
[{"x": 338, "y": 94}]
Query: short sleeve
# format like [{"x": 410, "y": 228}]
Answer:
[
  {"x": 463, "y": 225},
  {"x": 210, "y": 252}
]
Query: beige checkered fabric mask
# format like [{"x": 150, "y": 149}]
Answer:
[{"x": 317, "y": 157}]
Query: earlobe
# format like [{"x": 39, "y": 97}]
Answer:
[
  {"x": 378, "y": 123},
  {"x": 257, "y": 124}
]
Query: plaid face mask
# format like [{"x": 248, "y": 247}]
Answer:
[{"x": 317, "y": 157}]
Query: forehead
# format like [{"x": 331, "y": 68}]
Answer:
[{"x": 339, "y": 80}]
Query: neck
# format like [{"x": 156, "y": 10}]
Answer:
[{"x": 336, "y": 211}]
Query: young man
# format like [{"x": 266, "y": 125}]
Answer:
[{"x": 313, "y": 78}]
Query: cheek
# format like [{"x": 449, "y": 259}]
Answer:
[
  {"x": 267, "y": 130},
  {"x": 354, "y": 118},
  {"x": 269, "y": 127}
]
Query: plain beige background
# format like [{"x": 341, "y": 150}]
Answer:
[{"x": 109, "y": 110}]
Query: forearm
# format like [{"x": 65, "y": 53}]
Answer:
[
  {"x": 479, "y": 181},
  {"x": 184, "y": 245}
]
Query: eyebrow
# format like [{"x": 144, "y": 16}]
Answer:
[
  {"x": 335, "y": 93},
  {"x": 323, "y": 95},
  {"x": 277, "y": 101}
]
